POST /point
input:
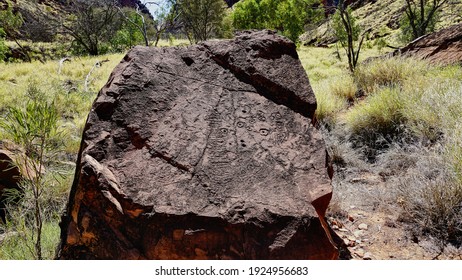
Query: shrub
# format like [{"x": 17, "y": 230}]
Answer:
[
  {"x": 377, "y": 121},
  {"x": 347, "y": 31},
  {"x": 344, "y": 87},
  {"x": 16, "y": 245},
  {"x": 201, "y": 19},
  {"x": 329, "y": 105},
  {"x": 420, "y": 18},
  {"x": 434, "y": 110},
  {"x": 430, "y": 196},
  {"x": 3, "y": 47},
  {"x": 34, "y": 129}
]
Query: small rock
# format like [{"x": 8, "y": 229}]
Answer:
[
  {"x": 335, "y": 227},
  {"x": 358, "y": 233},
  {"x": 337, "y": 223},
  {"x": 360, "y": 253},
  {"x": 349, "y": 243},
  {"x": 351, "y": 238},
  {"x": 367, "y": 256},
  {"x": 358, "y": 180},
  {"x": 363, "y": 226},
  {"x": 343, "y": 230},
  {"x": 350, "y": 218}
]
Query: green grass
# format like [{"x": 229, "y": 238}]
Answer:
[
  {"x": 405, "y": 106},
  {"x": 344, "y": 87},
  {"x": 381, "y": 113},
  {"x": 390, "y": 72},
  {"x": 327, "y": 70},
  {"x": 67, "y": 88},
  {"x": 18, "y": 244},
  {"x": 72, "y": 103}
]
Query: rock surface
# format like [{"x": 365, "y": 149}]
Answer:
[
  {"x": 204, "y": 152},
  {"x": 10, "y": 173},
  {"x": 442, "y": 47},
  {"x": 9, "y": 178}
]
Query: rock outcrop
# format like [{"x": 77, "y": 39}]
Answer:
[
  {"x": 11, "y": 173},
  {"x": 9, "y": 178},
  {"x": 204, "y": 152},
  {"x": 442, "y": 47}
]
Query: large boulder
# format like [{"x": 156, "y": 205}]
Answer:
[
  {"x": 204, "y": 152},
  {"x": 442, "y": 47}
]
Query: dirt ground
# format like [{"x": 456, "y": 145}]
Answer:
[{"x": 367, "y": 219}]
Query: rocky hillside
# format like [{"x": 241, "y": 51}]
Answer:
[
  {"x": 36, "y": 27},
  {"x": 381, "y": 19}
]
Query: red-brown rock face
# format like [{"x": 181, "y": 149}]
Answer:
[
  {"x": 205, "y": 152},
  {"x": 442, "y": 47}
]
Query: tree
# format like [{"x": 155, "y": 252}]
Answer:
[
  {"x": 165, "y": 16},
  {"x": 287, "y": 16},
  {"x": 91, "y": 23},
  {"x": 132, "y": 30},
  {"x": 3, "y": 47},
  {"x": 420, "y": 17},
  {"x": 348, "y": 33},
  {"x": 137, "y": 20},
  {"x": 11, "y": 22},
  {"x": 201, "y": 19}
]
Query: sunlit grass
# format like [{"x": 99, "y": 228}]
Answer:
[
  {"x": 18, "y": 244},
  {"x": 404, "y": 103},
  {"x": 73, "y": 101}
]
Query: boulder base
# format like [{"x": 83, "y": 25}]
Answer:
[{"x": 204, "y": 152}]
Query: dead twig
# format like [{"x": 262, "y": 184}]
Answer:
[
  {"x": 96, "y": 65},
  {"x": 61, "y": 63}
]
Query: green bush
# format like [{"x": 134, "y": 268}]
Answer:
[
  {"x": 34, "y": 127},
  {"x": 128, "y": 34},
  {"x": 287, "y": 16},
  {"x": 377, "y": 121},
  {"x": 3, "y": 47},
  {"x": 420, "y": 18}
]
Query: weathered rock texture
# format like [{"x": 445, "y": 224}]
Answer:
[
  {"x": 205, "y": 152},
  {"x": 442, "y": 47}
]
